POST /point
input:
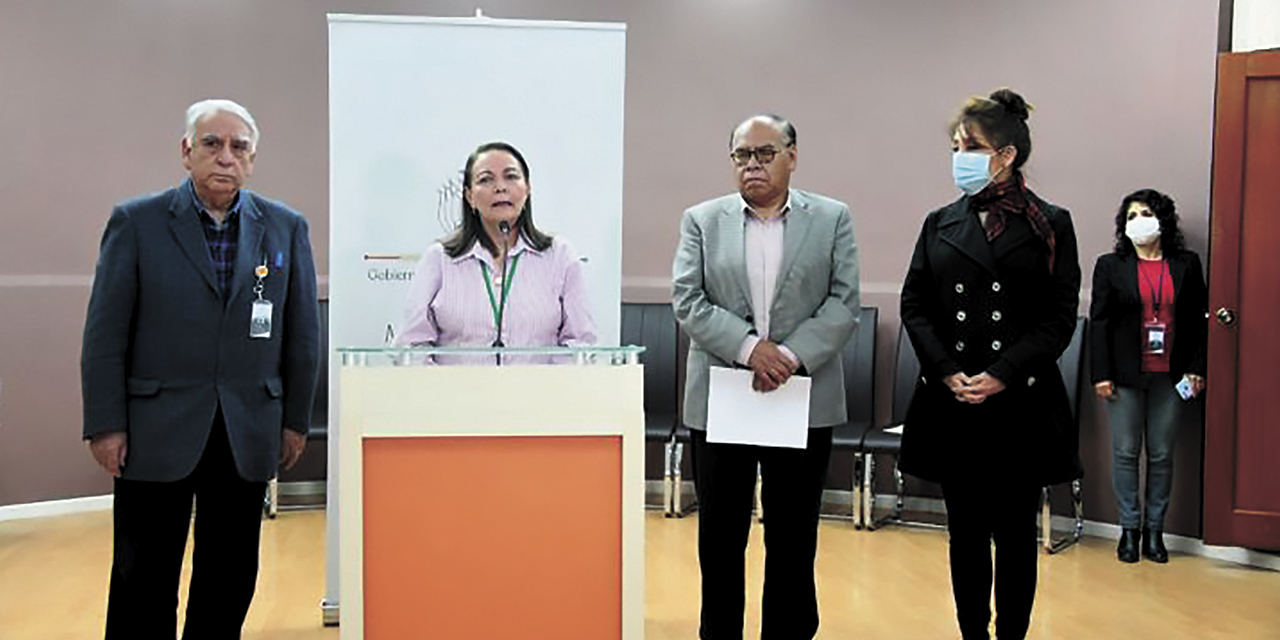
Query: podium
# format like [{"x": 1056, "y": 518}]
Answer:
[{"x": 484, "y": 501}]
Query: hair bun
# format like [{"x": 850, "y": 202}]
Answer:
[{"x": 1012, "y": 102}]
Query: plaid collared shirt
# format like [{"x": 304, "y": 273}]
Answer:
[{"x": 223, "y": 240}]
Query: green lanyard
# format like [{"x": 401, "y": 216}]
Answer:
[{"x": 506, "y": 289}]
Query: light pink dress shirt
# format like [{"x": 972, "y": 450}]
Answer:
[
  {"x": 547, "y": 305},
  {"x": 763, "y": 240}
]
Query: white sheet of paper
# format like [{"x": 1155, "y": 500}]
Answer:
[{"x": 737, "y": 414}]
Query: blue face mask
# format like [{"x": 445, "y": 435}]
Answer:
[{"x": 971, "y": 170}]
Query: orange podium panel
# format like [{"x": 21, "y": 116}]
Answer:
[
  {"x": 523, "y": 518},
  {"x": 470, "y": 537}
]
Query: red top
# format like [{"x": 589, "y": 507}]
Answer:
[{"x": 1155, "y": 287}]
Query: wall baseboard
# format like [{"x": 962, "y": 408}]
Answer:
[
  {"x": 1183, "y": 544},
  {"x": 305, "y": 488},
  {"x": 55, "y": 507},
  {"x": 837, "y": 503},
  {"x": 830, "y": 498}
]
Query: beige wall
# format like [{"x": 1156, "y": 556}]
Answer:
[{"x": 92, "y": 94}]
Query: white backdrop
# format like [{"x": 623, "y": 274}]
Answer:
[{"x": 409, "y": 99}]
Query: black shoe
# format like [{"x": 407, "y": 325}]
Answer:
[
  {"x": 1153, "y": 546},
  {"x": 1127, "y": 550}
]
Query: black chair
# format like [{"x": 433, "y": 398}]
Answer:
[
  {"x": 312, "y": 466},
  {"x": 883, "y": 441},
  {"x": 1071, "y": 364},
  {"x": 886, "y": 442},
  {"x": 860, "y": 400},
  {"x": 859, "y": 359},
  {"x": 653, "y": 326}
]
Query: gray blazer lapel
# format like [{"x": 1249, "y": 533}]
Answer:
[
  {"x": 249, "y": 249},
  {"x": 794, "y": 232},
  {"x": 186, "y": 229},
  {"x": 733, "y": 242}
]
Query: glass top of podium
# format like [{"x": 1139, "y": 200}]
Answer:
[{"x": 409, "y": 356}]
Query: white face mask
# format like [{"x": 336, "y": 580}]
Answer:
[{"x": 1143, "y": 230}]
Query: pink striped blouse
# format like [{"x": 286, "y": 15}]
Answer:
[{"x": 547, "y": 305}]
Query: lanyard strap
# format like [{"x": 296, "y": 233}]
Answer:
[
  {"x": 1157, "y": 293},
  {"x": 494, "y": 305}
]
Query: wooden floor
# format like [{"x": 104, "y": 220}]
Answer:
[{"x": 887, "y": 584}]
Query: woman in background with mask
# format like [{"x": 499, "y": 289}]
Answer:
[
  {"x": 1148, "y": 343},
  {"x": 989, "y": 303}
]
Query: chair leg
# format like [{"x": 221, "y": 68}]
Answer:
[
  {"x": 668, "y": 478},
  {"x": 901, "y": 482},
  {"x": 759, "y": 501},
  {"x": 677, "y": 482},
  {"x": 899, "y": 498},
  {"x": 1046, "y": 520},
  {"x": 856, "y": 502},
  {"x": 1077, "y": 500},
  {"x": 273, "y": 497},
  {"x": 869, "y": 491}
]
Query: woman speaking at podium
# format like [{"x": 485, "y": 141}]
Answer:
[{"x": 498, "y": 281}]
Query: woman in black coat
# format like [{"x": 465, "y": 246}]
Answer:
[
  {"x": 990, "y": 303},
  {"x": 1148, "y": 315}
]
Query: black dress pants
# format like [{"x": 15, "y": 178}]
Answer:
[
  {"x": 791, "y": 493},
  {"x": 978, "y": 513},
  {"x": 151, "y": 524}
]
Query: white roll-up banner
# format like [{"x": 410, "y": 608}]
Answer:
[{"x": 409, "y": 99}]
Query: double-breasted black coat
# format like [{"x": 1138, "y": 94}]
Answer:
[{"x": 976, "y": 306}]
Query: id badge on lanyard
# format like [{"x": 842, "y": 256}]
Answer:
[
  {"x": 1153, "y": 330},
  {"x": 260, "y": 316},
  {"x": 1153, "y": 333}
]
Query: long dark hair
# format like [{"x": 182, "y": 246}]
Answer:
[
  {"x": 1171, "y": 240},
  {"x": 471, "y": 230}
]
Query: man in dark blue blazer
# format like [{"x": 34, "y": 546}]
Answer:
[{"x": 199, "y": 364}]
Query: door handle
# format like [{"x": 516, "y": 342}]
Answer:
[{"x": 1226, "y": 317}]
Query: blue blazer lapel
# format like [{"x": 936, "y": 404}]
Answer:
[
  {"x": 186, "y": 229},
  {"x": 249, "y": 248}
]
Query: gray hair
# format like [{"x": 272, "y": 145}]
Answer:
[
  {"x": 206, "y": 108},
  {"x": 778, "y": 122}
]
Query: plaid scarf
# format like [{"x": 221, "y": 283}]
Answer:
[{"x": 1011, "y": 196}]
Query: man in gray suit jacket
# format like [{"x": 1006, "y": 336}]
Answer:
[
  {"x": 766, "y": 278},
  {"x": 198, "y": 370}
]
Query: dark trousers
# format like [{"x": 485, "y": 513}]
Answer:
[
  {"x": 977, "y": 514},
  {"x": 791, "y": 493},
  {"x": 151, "y": 523}
]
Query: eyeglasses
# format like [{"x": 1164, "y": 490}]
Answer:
[{"x": 743, "y": 156}]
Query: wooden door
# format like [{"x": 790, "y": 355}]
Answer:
[{"x": 1242, "y": 430}]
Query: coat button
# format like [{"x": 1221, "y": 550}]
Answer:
[
  {"x": 960, "y": 315},
  {"x": 959, "y": 287},
  {"x": 995, "y": 345},
  {"x": 996, "y": 315},
  {"x": 995, "y": 286},
  {"x": 1031, "y": 380},
  {"x": 960, "y": 345}
]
